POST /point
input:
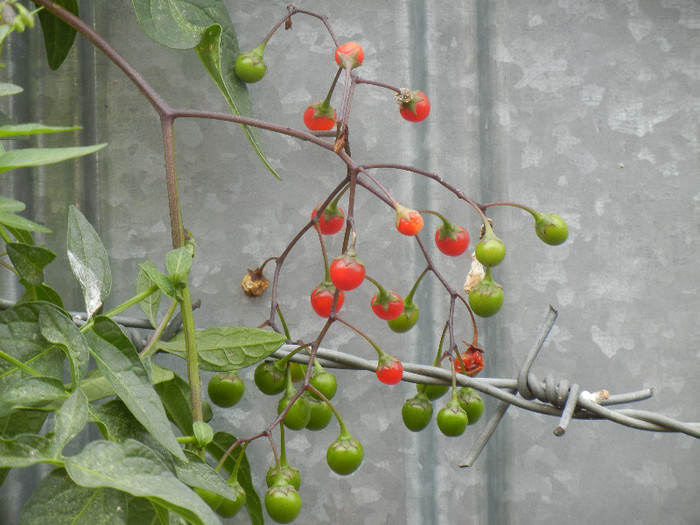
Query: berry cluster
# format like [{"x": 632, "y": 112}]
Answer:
[{"x": 309, "y": 406}]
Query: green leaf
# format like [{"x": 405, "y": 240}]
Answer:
[
  {"x": 164, "y": 24},
  {"x": 18, "y": 130},
  {"x": 95, "y": 385},
  {"x": 9, "y": 89},
  {"x": 175, "y": 396},
  {"x": 22, "y": 158},
  {"x": 20, "y": 223},
  {"x": 226, "y": 348},
  {"x": 24, "y": 451},
  {"x": 217, "y": 448},
  {"x": 20, "y": 337},
  {"x": 115, "y": 421},
  {"x": 197, "y": 473},
  {"x": 59, "y": 329},
  {"x": 38, "y": 393},
  {"x": 178, "y": 262},
  {"x": 203, "y": 433},
  {"x": 134, "y": 468},
  {"x": 120, "y": 363},
  {"x": 151, "y": 304},
  {"x": 29, "y": 261},
  {"x": 58, "y": 500},
  {"x": 88, "y": 260},
  {"x": 42, "y": 292},
  {"x": 69, "y": 421},
  {"x": 158, "y": 278},
  {"x": 10, "y": 205},
  {"x": 58, "y": 35}
]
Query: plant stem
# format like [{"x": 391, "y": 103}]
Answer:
[{"x": 192, "y": 356}]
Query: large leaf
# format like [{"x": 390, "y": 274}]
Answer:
[
  {"x": 88, "y": 260},
  {"x": 95, "y": 385},
  {"x": 58, "y": 35},
  {"x": 134, "y": 468},
  {"x": 121, "y": 365},
  {"x": 175, "y": 396},
  {"x": 217, "y": 448},
  {"x": 23, "y": 158},
  {"x": 206, "y": 26},
  {"x": 9, "y": 89},
  {"x": 24, "y": 451},
  {"x": 226, "y": 348},
  {"x": 197, "y": 473},
  {"x": 57, "y": 500},
  {"x": 20, "y": 223}
]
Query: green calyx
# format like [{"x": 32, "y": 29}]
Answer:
[{"x": 323, "y": 109}]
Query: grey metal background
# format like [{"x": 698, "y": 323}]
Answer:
[{"x": 584, "y": 107}]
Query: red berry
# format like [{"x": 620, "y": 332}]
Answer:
[
  {"x": 388, "y": 307},
  {"x": 390, "y": 372},
  {"x": 350, "y": 53},
  {"x": 318, "y": 117},
  {"x": 452, "y": 243},
  {"x": 330, "y": 222},
  {"x": 473, "y": 360},
  {"x": 322, "y": 299},
  {"x": 408, "y": 222},
  {"x": 347, "y": 272},
  {"x": 414, "y": 105}
]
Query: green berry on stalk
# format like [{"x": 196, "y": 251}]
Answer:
[
  {"x": 290, "y": 473},
  {"x": 407, "y": 319},
  {"x": 551, "y": 228},
  {"x": 486, "y": 296},
  {"x": 298, "y": 414},
  {"x": 210, "y": 498},
  {"x": 282, "y": 502},
  {"x": 416, "y": 412},
  {"x": 434, "y": 392},
  {"x": 452, "y": 419},
  {"x": 225, "y": 390},
  {"x": 250, "y": 66},
  {"x": 490, "y": 250},
  {"x": 344, "y": 455},
  {"x": 230, "y": 507},
  {"x": 325, "y": 383},
  {"x": 269, "y": 378},
  {"x": 321, "y": 415},
  {"x": 471, "y": 402}
]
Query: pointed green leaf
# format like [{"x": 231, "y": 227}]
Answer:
[
  {"x": 11, "y": 205},
  {"x": 134, "y": 468},
  {"x": 58, "y": 500},
  {"x": 197, "y": 473},
  {"x": 16, "y": 221},
  {"x": 29, "y": 261},
  {"x": 23, "y": 158},
  {"x": 151, "y": 304},
  {"x": 158, "y": 278},
  {"x": 226, "y": 348},
  {"x": 121, "y": 365},
  {"x": 217, "y": 448},
  {"x": 178, "y": 262},
  {"x": 69, "y": 421},
  {"x": 88, "y": 260},
  {"x": 58, "y": 35},
  {"x": 9, "y": 89},
  {"x": 60, "y": 330},
  {"x": 18, "y": 130}
]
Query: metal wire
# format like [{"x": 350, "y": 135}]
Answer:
[{"x": 549, "y": 396}]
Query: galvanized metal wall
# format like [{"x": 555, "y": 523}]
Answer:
[{"x": 584, "y": 107}]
